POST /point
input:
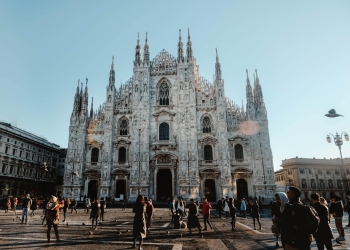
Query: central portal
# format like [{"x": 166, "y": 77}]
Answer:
[
  {"x": 164, "y": 185},
  {"x": 209, "y": 190},
  {"x": 92, "y": 189}
]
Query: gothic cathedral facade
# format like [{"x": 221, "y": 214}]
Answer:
[{"x": 168, "y": 132}]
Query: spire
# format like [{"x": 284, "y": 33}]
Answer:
[
  {"x": 249, "y": 93},
  {"x": 258, "y": 95},
  {"x": 112, "y": 73},
  {"x": 180, "y": 49},
  {"x": 189, "y": 46},
  {"x": 86, "y": 88},
  {"x": 146, "y": 51},
  {"x": 138, "y": 51},
  {"x": 217, "y": 67},
  {"x": 92, "y": 109}
]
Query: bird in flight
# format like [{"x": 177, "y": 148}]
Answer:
[
  {"x": 6, "y": 189},
  {"x": 332, "y": 114}
]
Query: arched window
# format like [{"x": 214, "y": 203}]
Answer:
[
  {"x": 339, "y": 184},
  {"x": 239, "y": 152},
  {"x": 164, "y": 131},
  {"x": 313, "y": 184},
  {"x": 122, "y": 155},
  {"x": 206, "y": 125},
  {"x": 330, "y": 184},
  {"x": 208, "y": 153},
  {"x": 94, "y": 155},
  {"x": 164, "y": 94},
  {"x": 123, "y": 127},
  {"x": 322, "y": 185},
  {"x": 303, "y": 184}
]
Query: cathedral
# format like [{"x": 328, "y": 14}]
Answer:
[{"x": 168, "y": 132}]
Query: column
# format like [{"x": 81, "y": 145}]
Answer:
[
  {"x": 172, "y": 182},
  {"x": 155, "y": 184},
  {"x": 86, "y": 187}
]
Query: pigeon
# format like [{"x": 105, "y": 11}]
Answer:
[
  {"x": 90, "y": 232},
  {"x": 67, "y": 224},
  {"x": 181, "y": 235},
  {"x": 127, "y": 230},
  {"x": 13, "y": 219},
  {"x": 332, "y": 114},
  {"x": 167, "y": 232},
  {"x": 83, "y": 224},
  {"x": 160, "y": 217},
  {"x": 116, "y": 221},
  {"x": 223, "y": 225},
  {"x": 120, "y": 233}
]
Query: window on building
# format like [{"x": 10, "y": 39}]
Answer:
[
  {"x": 11, "y": 170},
  {"x": 94, "y": 155},
  {"x": 330, "y": 184},
  {"x": 164, "y": 131},
  {"x": 31, "y": 173},
  {"x": 20, "y": 153},
  {"x": 123, "y": 127},
  {"x": 27, "y": 155},
  {"x": 347, "y": 171},
  {"x": 25, "y": 172},
  {"x": 328, "y": 171},
  {"x": 14, "y": 152},
  {"x": 337, "y": 172},
  {"x": 239, "y": 152},
  {"x": 164, "y": 94},
  {"x": 313, "y": 184},
  {"x": 319, "y": 171},
  {"x": 289, "y": 171},
  {"x": 301, "y": 170},
  {"x": 206, "y": 125},
  {"x": 310, "y": 171},
  {"x": 122, "y": 155},
  {"x": 18, "y": 170},
  {"x": 208, "y": 153},
  {"x": 7, "y": 150},
  {"x": 8, "y": 140},
  {"x": 322, "y": 185},
  {"x": 303, "y": 184},
  {"x": 33, "y": 156},
  {"x": 339, "y": 184}
]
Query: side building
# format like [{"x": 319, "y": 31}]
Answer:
[
  {"x": 314, "y": 175},
  {"x": 60, "y": 172},
  {"x": 22, "y": 158}
]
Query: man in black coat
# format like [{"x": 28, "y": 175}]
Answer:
[
  {"x": 220, "y": 206},
  {"x": 324, "y": 234}
]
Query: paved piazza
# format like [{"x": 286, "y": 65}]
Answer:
[{"x": 115, "y": 233}]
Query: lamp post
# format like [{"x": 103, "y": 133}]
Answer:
[{"x": 338, "y": 141}]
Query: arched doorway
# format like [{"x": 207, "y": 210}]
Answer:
[
  {"x": 242, "y": 188},
  {"x": 209, "y": 190},
  {"x": 92, "y": 189},
  {"x": 120, "y": 189},
  {"x": 164, "y": 185}
]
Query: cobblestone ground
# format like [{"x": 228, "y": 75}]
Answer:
[{"x": 116, "y": 233}]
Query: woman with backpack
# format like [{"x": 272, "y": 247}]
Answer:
[{"x": 53, "y": 216}]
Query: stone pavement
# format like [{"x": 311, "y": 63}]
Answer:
[{"x": 116, "y": 233}]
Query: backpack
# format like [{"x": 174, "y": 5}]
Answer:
[{"x": 309, "y": 219}]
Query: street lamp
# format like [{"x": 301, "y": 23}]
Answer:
[{"x": 338, "y": 141}]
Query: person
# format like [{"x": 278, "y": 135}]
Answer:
[
  {"x": 277, "y": 208},
  {"x": 261, "y": 208},
  {"x": 206, "y": 208},
  {"x": 192, "y": 219},
  {"x": 8, "y": 205},
  {"x": 95, "y": 212},
  {"x": 33, "y": 207},
  {"x": 26, "y": 203},
  {"x": 177, "y": 220},
  {"x": 292, "y": 224},
  {"x": 324, "y": 234},
  {"x": 255, "y": 212},
  {"x": 14, "y": 205},
  {"x": 87, "y": 204},
  {"x": 139, "y": 226},
  {"x": 102, "y": 208},
  {"x": 74, "y": 206},
  {"x": 220, "y": 206},
  {"x": 337, "y": 211},
  {"x": 323, "y": 201},
  {"x": 149, "y": 214},
  {"x": 65, "y": 208},
  {"x": 181, "y": 207},
  {"x": 123, "y": 205},
  {"x": 172, "y": 209},
  {"x": 243, "y": 208},
  {"x": 232, "y": 208},
  {"x": 226, "y": 208},
  {"x": 347, "y": 198},
  {"x": 52, "y": 216}
]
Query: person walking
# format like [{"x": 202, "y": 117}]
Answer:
[
  {"x": 337, "y": 211},
  {"x": 33, "y": 207},
  {"x": 102, "y": 208},
  {"x": 52, "y": 216},
  {"x": 139, "y": 226},
  {"x": 255, "y": 212},
  {"x": 206, "y": 208},
  {"x": 181, "y": 207},
  {"x": 220, "y": 206},
  {"x": 324, "y": 234},
  {"x": 149, "y": 214},
  {"x": 87, "y": 204},
  {"x": 65, "y": 208},
  {"x": 26, "y": 203},
  {"x": 74, "y": 204},
  {"x": 14, "y": 205},
  {"x": 243, "y": 208},
  {"x": 172, "y": 208},
  {"x": 95, "y": 213},
  {"x": 232, "y": 208},
  {"x": 8, "y": 205},
  {"x": 261, "y": 207},
  {"x": 226, "y": 208},
  {"x": 192, "y": 219},
  {"x": 276, "y": 212}
]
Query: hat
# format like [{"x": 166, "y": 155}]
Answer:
[{"x": 296, "y": 190}]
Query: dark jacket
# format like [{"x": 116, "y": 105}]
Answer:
[
  {"x": 139, "y": 226},
  {"x": 26, "y": 202},
  {"x": 337, "y": 209},
  {"x": 95, "y": 209},
  {"x": 220, "y": 205},
  {"x": 324, "y": 229},
  {"x": 254, "y": 210},
  {"x": 232, "y": 208},
  {"x": 292, "y": 225}
]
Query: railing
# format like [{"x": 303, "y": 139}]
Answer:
[
  {"x": 240, "y": 162},
  {"x": 208, "y": 162}
]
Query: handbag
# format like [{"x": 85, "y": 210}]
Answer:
[{"x": 275, "y": 229}]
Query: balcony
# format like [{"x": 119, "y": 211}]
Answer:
[
  {"x": 208, "y": 163},
  {"x": 124, "y": 164},
  {"x": 122, "y": 110},
  {"x": 164, "y": 145},
  {"x": 240, "y": 163}
]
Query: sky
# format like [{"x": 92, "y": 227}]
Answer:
[{"x": 300, "y": 49}]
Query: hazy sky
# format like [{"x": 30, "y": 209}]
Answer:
[{"x": 300, "y": 48}]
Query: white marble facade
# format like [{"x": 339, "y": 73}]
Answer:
[{"x": 169, "y": 132}]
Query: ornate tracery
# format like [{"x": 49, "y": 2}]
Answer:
[{"x": 164, "y": 94}]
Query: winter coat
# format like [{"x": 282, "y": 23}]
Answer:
[
  {"x": 220, "y": 206},
  {"x": 192, "y": 221},
  {"x": 324, "y": 229},
  {"x": 139, "y": 226},
  {"x": 232, "y": 209},
  {"x": 337, "y": 209},
  {"x": 206, "y": 207},
  {"x": 53, "y": 210},
  {"x": 95, "y": 209},
  {"x": 254, "y": 210}
]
